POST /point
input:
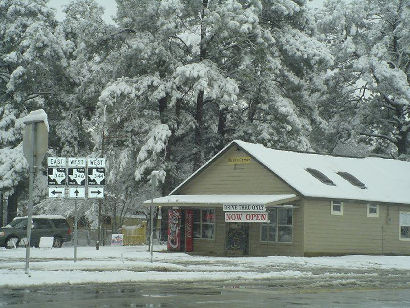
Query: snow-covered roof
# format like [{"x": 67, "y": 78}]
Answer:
[
  {"x": 222, "y": 199},
  {"x": 386, "y": 180}
]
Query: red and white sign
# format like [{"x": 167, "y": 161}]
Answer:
[
  {"x": 174, "y": 230},
  {"x": 117, "y": 240},
  {"x": 189, "y": 219},
  {"x": 246, "y": 217}
]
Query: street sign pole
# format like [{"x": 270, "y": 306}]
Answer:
[
  {"x": 75, "y": 230},
  {"x": 30, "y": 200},
  {"x": 35, "y": 145}
]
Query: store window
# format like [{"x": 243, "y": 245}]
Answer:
[
  {"x": 280, "y": 226},
  {"x": 204, "y": 223},
  {"x": 372, "y": 210},
  {"x": 405, "y": 226},
  {"x": 336, "y": 208}
]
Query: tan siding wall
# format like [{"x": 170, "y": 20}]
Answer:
[
  {"x": 258, "y": 248},
  {"x": 353, "y": 232},
  {"x": 223, "y": 178}
]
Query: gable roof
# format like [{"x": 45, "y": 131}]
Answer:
[{"x": 385, "y": 180}]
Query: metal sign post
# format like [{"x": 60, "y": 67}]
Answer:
[
  {"x": 30, "y": 200},
  {"x": 75, "y": 230},
  {"x": 35, "y": 145},
  {"x": 76, "y": 190}
]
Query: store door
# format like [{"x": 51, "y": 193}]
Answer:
[{"x": 237, "y": 239}]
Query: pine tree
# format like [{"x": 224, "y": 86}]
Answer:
[
  {"x": 370, "y": 42},
  {"x": 31, "y": 59}
]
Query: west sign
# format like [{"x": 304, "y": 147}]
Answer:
[{"x": 246, "y": 217}]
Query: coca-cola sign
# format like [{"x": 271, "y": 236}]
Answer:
[
  {"x": 189, "y": 218},
  {"x": 174, "y": 232}
]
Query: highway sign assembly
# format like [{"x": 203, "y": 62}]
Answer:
[{"x": 83, "y": 177}]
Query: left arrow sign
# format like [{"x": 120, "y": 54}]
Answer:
[{"x": 56, "y": 192}]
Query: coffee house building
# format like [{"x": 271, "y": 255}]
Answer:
[{"x": 249, "y": 200}]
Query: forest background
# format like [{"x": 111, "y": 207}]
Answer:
[{"x": 171, "y": 82}]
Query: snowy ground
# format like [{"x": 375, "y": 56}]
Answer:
[{"x": 132, "y": 264}]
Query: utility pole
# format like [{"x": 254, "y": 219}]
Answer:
[
  {"x": 151, "y": 237},
  {"x": 101, "y": 201}
]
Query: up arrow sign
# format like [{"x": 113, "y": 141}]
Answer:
[{"x": 76, "y": 192}]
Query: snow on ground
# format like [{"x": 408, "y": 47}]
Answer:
[{"x": 132, "y": 264}]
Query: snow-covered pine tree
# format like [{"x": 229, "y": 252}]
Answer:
[
  {"x": 277, "y": 105},
  {"x": 369, "y": 82},
  {"x": 87, "y": 42},
  {"x": 31, "y": 59}
]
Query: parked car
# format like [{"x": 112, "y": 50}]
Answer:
[{"x": 15, "y": 233}]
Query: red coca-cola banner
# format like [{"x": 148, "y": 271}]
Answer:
[
  {"x": 174, "y": 230},
  {"x": 189, "y": 219}
]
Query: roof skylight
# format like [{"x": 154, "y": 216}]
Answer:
[
  {"x": 352, "y": 179},
  {"x": 320, "y": 176}
]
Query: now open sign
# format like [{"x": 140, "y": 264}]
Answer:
[{"x": 246, "y": 217}]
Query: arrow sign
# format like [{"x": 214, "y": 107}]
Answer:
[
  {"x": 76, "y": 192},
  {"x": 96, "y": 192},
  {"x": 56, "y": 192},
  {"x": 56, "y": 176},
  {"x": 76, "y": 176},
  {"x": 96, "y": 176}
]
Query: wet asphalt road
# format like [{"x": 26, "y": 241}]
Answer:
[{"x": 262, "y": 294}]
